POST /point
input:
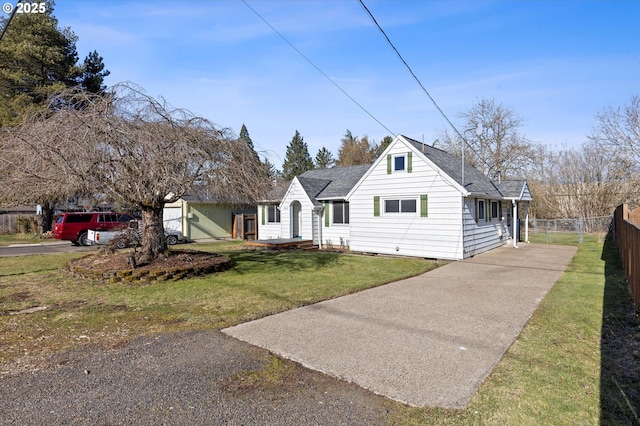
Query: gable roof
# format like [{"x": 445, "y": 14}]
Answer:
[
  {"x": 333, "y": 183},
  {"x": 474, "y": 181},
  {"x": 515, "y": 189}
]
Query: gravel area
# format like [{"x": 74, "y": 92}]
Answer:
[{"x": 179, "y": 379}]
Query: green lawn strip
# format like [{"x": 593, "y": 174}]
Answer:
[
  {"x": 259, "y": 283},
  {"x": 8, "y": 239},
  {"x": 551, "y": 374}
]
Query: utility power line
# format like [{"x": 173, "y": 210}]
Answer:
[
  {"x": 318, "y": 68},
  {"x": 409, "y": 68},
  {"x": 464, "y": 140}
]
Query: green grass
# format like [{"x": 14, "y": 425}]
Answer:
[
  {"x": 259, "y": 283},
  {"x": 566, "y": 238},
  {"x": 554, "y": 371},
  {"x": 575, "y": 363},
  {"x": 8, "y": 239}
]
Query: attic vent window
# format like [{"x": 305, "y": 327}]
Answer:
[{"x": 399, "y": 163}]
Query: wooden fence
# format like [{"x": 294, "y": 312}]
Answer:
[
  {"x": 9, "y": 223},
  {"x": 627, "y": 235}
]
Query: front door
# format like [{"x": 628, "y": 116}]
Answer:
[{"x": 296, "y": 209}]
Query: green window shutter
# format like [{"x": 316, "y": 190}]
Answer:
[
  {"x": 376, "y": 205},
  {"x": 487, "y": 213},
  {"x": 263, "y": 213},
  {"x": 388, "y": 164},
  {"x": 326, "y": 214},
  {"x": 476, "y": 209},
  {"x": 409, "y": 162},
  {"x": 424, "y": 205}
]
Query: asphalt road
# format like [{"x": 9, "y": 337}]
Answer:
[{"x": 42, "y": 248}]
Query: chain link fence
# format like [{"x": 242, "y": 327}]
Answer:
[{"x": 569, "y": 230}]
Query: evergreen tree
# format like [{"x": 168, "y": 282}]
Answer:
[
  {"x": 297, "y": 160},
  {"x": 379, "y": 149},
  {"x": 244, "y": 136},
  {"x": 273, "y": 173},
  {"x": 93, "y": 73},
  {"x": 37, "y": 58},
  {"x": 324, "y": 159}
]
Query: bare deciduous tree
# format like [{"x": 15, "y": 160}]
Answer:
[
  {"x": 128, "y": 147},
  {"x": 618, "y": 132},
  {"x": 582, "y": 182},
  {"x": 494, "y": 144}
]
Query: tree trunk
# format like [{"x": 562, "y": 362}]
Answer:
[
  {"x": 153, "y": 240},
  {"x": 47, "y": 216}
]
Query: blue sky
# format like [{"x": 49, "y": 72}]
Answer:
[{"x": 555, "y": 63}]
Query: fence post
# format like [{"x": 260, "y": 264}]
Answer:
[{"x": 580, "y": 230}]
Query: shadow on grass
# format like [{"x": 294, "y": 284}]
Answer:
[
  {"x": 247, "y": 261},
  {"x": 620, "y": 345}
]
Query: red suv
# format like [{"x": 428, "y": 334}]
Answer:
[{"x": 74, "y": 226}]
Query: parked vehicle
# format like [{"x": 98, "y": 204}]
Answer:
[
  {"x": 74, "y": 227},
  {"x": 125, "y": 238}
]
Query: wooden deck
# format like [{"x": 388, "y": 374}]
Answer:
[{"x": 282, "y": 244}]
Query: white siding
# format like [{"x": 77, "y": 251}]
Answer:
[
  {"x": 267, "y": 230},
  {"x": 296, "y": 193},
  {"x": 336, "y": 234},
  {"x": 437, "y": 236}
]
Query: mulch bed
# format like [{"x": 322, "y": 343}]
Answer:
[{"x": 172, "y": 265}]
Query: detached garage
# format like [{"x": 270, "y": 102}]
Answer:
[{"x": 202, "y": 219}]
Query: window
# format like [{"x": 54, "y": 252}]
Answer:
[
  {"x": 400, "y": 206},
  {"x": 480, "y": 212},
  {"x": 340, "y": 212},
  {"x": 494, "y": 210},
  {"x": 79, "y": 218},
  {"x": 273, "y": 213},
  {"x": 398, "y": 163}
]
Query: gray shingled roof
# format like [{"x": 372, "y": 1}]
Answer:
[
  {"x": 313, "y": 187},
  {"x": 511, "y": 188},
  {"x": 474, "y": 181},
  {"x": 338, "y": 181}
]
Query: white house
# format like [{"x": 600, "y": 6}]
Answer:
[{"x": 414, "y": 200}]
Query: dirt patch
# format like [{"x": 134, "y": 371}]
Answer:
[{"x": 172, "y": 265}]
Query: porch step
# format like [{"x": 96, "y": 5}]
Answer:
[{"x": 309, "y": 246}]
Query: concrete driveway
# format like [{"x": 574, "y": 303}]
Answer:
[{"x": 430, "y": 340}]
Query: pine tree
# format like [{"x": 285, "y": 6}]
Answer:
[
  {"x": 379, "y": 149},
  {"x": 36, "y": 59},
  {"x": 244, "y": 136},
  {"x": 93, "y": 73},
  {"x": 297, "y": 160},
  {"x": 324, "y": 159}
]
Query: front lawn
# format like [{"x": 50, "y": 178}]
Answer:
[{"x": 260, "y": 283}]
